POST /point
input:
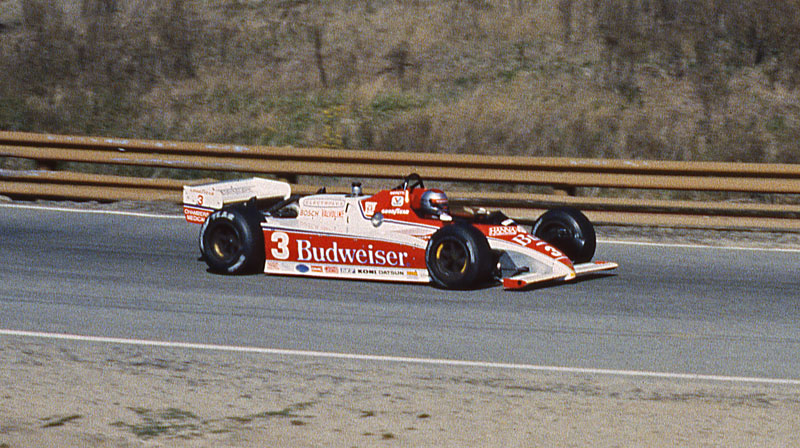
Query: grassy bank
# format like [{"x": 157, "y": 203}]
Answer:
[{"x": 670, "y": 79}]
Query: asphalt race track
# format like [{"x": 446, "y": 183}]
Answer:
[{"x": 676, "y": 309}]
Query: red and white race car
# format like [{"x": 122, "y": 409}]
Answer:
[{"x": 405, "y": 234}]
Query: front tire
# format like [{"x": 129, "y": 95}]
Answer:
[
  {"x": 231, "y": 241},
  {"x": 458, "y": 257},
  {"x": 570, "y": 231}
]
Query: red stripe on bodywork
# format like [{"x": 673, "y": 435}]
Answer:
[{"x": 301, "y": 247}]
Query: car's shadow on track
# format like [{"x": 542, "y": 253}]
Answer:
[{"x": 482, "y": 287}]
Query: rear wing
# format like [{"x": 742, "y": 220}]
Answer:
[{"x": 199, "y": 201}]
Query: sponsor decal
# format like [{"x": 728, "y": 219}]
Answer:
[
  {"x": 196, "y": 212},
  {"x": 331, "y": 269},
  {"x": 272, "y": 266},
  {"x": 195, "y": 215},
  {"x": 398, "y": 201},
  {"x": 385, "y": 272},
  {"x": 503, "y": 230},
  {"x": 316, "y": 268},
  {"x": 395, "y": 211},
  {"x": 201, "y": 191},
  {"x": 314, "y": 249},
  {"x": 323, "y": 213},
  {"x": 301, "y": 268},
  {"x": 369, "y": 208},
  {"x": 234, "y": 190},
  {"x": 323, "y": 202},
  {"x": 524, "y": 239},
  {"x": 527, "y": 240},
  {"x": 194, "y": 219},
  {"x": 335, "y": 254}
]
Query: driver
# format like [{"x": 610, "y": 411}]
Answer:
[{"x": 433, "y": 202}]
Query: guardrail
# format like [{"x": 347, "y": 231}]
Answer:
[{"x": 565, "y": 175}]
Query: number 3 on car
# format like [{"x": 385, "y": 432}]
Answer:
[{"x": 281, "y": 250}]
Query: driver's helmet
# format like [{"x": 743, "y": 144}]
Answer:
[{"x": 434, "y": 202}]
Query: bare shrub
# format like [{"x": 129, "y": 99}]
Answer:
[
  {"x": 101, "y": 47},
  {"x": 673, "y": 79},
  {"x": 93, "y": 8},
  {"x": 34, "y": 14},
  {"x": 565, "y": 8},
  {"x": 174, "y": 30},
  {"x": 765, "y": 32},
  {"x": 315, "y": 33},
  {"x": 623, "y": 44},
  {"x": 85, "y": 66},
  {"x": 45, "y": 55}
]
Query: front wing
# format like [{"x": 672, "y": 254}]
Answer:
[{"x": 526, "y": 279}]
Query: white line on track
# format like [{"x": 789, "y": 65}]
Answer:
[
  {"x": 92, "y": 211},
  {"x": 698, "y": 246},
  {"x": 400, "y": 359},
  {"x": 180, "y": 217}
]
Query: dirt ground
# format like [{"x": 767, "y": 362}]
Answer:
[{"x": 88, "y": 394}]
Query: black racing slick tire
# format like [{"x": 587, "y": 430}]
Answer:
[
  {"x": 231, "y": 241},
  {"x": 458, "y": 257},
  {"x": 570, "y": 231}
]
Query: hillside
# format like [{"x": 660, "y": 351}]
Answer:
[{"x": 666, "y": 79}]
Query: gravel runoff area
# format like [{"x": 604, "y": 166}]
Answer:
[
  {"x": 92, "y": 394},
  {"x": 97, "y": 394}
]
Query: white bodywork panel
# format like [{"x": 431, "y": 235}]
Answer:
[
  {"x": 330, "y": 220},
  {"x": 217, "y": 195}
]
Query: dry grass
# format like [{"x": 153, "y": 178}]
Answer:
[{"x": 565, "y": 78}]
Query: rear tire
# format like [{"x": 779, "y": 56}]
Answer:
[
  {"x": 458, "y": 257},
  {"x": 232, "y": 242},
  {"x": 570, "y": 231}
]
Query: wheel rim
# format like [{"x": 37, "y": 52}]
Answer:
[
  {"x": 225, "y": 242},
  {"x": 452, "y": 258}
]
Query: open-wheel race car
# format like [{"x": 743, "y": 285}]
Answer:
[{"x": 405, "y": 234}]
